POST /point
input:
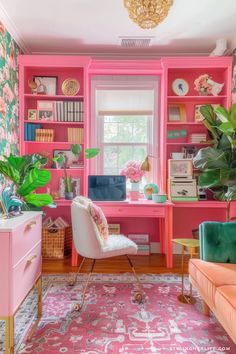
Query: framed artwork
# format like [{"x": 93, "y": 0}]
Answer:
[
  {"x": 32, "y": 114},
  {"x": 46, "y": 85},
  {"x": 176, "y": 113},
  {"x": 68, "y": 156},
  {"x": 180, "y": 87},
  {"x": 198, "y": 117},
  {"x": 180, "y": 168},
  {"x": 45, "y": 110}
]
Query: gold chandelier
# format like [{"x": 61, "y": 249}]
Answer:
[{"x": 148, "y": 13}]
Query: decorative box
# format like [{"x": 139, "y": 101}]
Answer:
[{"x": 183, "y": 188}]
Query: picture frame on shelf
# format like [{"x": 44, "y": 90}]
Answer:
[
  {"x": 180, "y": 168},
  {"x": 45, "y": 110},
  {"x": 32, "y": 114},
  {"x": 180, "y": 87},
  {"x": 176, "y": 113},
  {"x": 46, "y": 85},
  {"x": 198, "y": 117},
  {"x": 68, "y": 156}
]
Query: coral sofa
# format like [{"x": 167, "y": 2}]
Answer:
[{"x": 214, "y": 275}]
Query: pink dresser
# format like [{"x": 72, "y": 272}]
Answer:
[{"x": 20, "y": 266}]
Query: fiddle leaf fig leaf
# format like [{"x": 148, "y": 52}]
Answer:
[
  {"x": 34, "y": 179},
  {"x": 210, "y": 158},
  {"x": 222, "y": 114},
  {"x": 233, "y": 115},
  {"x": 209, "y": 179},
  {"x": 38, "y": 200},
  {"x": 226, "y": 128},
  {"x": 8, "y": 171}
]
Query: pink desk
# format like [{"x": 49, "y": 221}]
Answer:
[{"x": 143, "y": 209}]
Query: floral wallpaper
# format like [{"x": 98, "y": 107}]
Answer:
[{"x": 9, "y": 107}]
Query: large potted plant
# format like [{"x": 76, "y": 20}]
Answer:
[
  {"x": 27, "y": 174},
  {"x": 218, "y": 163}
]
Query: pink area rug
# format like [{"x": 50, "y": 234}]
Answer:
[{"x": 110, "y": 322}]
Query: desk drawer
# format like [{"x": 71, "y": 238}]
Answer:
[
  {"x": 25, "y": 275},
  {"x": 134, "y": 211},
  {"x": 25, "y": 238}
]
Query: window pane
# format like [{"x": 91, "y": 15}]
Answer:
[
  {"x": 125, "y": 129},
  {"x": 116, "y": 156}
]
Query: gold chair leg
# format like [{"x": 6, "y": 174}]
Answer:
[
  {"x": 139, "y": 295},
  {"x": 79, "y": 306},
  {"x": 184, "y": 298},
  {"x": 73, "y": 281}
]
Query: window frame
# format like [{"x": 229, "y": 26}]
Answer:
[{"x": 137, "y": 82}]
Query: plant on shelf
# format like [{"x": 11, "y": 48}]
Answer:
[
  {"x": 76, "y": 150},
  {"x": 218, "y": 163},
  {"x": 68, "y": 186},
  {"x": 26, "y": 174}
]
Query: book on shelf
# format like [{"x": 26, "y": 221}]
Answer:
[
  {"x": 184, "y": 199},
  {"x": 69, "y": 111},
  {"x": 30, "y": 131},
  {"x": 44, "y": 135},
  {"x": 75, "y": 135}
]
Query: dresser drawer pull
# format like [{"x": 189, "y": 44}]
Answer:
[
  {"x": 30, "y": 225},
  {"x": 32, "y": 259}
]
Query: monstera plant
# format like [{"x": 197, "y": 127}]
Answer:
[
  {"x": 218, "y": 163},
  {"x": 27, "y": 174}
]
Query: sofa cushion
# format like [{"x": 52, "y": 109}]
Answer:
[
  {"x": 218, "y": 242},
  {"x": 225, "y": 303},
  {"x": 210, "y": 275}
]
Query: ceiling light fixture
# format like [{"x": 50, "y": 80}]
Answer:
[{"x": 148, "y": 13}]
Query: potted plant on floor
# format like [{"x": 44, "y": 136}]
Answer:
[{"x": 218, "y": 163}]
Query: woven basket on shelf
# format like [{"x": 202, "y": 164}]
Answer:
[{"x": 56, "y": 243}]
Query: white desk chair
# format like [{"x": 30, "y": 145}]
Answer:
[{"x": 89, "y": 243}]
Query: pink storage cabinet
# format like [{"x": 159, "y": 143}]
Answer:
[{"x": 20, "y": 267}]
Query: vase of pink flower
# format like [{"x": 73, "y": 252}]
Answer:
[
  {"x": 133, "y": 172},
  {"x": 202, "y": 85}
]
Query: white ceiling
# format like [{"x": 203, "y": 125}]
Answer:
[{"x": 94, "y": 27}]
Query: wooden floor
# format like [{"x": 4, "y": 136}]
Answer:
[{"x": 154, "y": 264}]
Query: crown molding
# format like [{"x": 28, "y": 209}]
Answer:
[{"x": 12, "y": 29}]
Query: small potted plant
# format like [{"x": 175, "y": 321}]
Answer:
[{"x": 68, "y": 186}]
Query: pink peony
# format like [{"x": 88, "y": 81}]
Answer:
[{"x": 132, "y": 171}]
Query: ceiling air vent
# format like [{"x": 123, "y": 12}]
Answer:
[{"x": 136, "y": 42}]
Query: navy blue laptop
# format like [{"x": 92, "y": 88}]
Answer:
[{"x": 107, "y": 188}]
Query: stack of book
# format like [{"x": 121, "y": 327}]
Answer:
[
  {"x": 75, "y": 135},
  {"x": 29, "y": 131},
  {"x": 196, "y": 138},
  {"x": 69, "y": 111},
  {"x": 44, "y": 135},
  {"x": 142, "y": 241}
]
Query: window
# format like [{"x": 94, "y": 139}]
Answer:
[{"x": 124, "y": 120}]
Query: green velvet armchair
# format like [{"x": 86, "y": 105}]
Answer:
[{"x": 218, "y": 242}]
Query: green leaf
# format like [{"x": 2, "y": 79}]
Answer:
[
  {"x": 210, "y": 158},
  {"x": 76, "y": 149},
  {"x": 9, "y": 172},
  {"x": 222, "y": 114},
  {"x": 38, "y": 200},
  {"x": 226, "y": 128},
  {"x": 34, "y": 179},
  {"x": 232, "y": 113},
  {"x": 228, "y": 177},
  {"x": 209, "y": 179},
  {"x": 91, "y": 152}
]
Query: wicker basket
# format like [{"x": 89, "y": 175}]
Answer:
[{"x": 56, "y": 243}]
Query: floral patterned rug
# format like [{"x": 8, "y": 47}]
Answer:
[{"x": 111, "y": 322}]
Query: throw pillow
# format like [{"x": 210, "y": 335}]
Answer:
[{"x": 100, "y": 220}]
